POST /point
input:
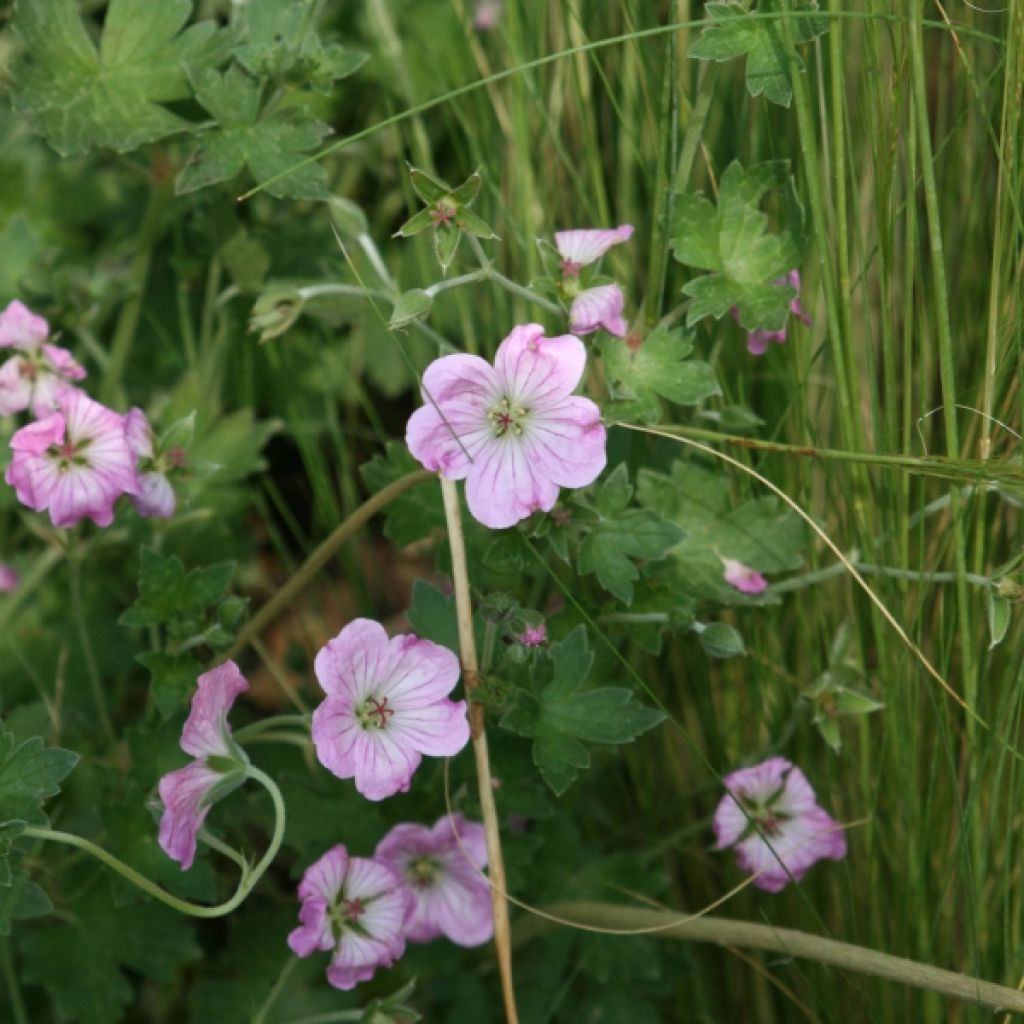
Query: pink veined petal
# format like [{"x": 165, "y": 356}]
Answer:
[
  {"x": 799, "y": 844},
  {"x": 82, "y": 493},
  {"x": 460, "y": 909},
  {"x": 503, "y": 488},
  {"x": 15, "y": 387},
  {"x": 138, "y": 433},
  {"x": 48, "y": 392},
  {"x": 182, "y": 793},
  {"x": 206, "y": 727},
  {"x": 315, "y": 931},
  {"x": 448, "y": 442},
  {"x": 335, "y": 732},
  {"x": 355, "y": 662},
  {"x": 535, "y": 371},
  {"x": 598, "y": 307},
  {"x": 368, "y": 880},
  {"x": 419, "y": 672},
  {"x": 35, "y": 438},
  {"x": 325, "y": 877},
  {"x": 64, "y": 363},
  {"x": 155, "y": 498},
  {"x": 21, "y": 328},
  {"x": 33, "y": 479},
  {"x": 587, "y": 245},
  {"x": 383, "y": 766},
  {"x": 88, "y": 420},
  {"x": 742, "y": 577},
  {"x": 459, "y": 377},
  {"x": 472, "y": 840},
  {"x": 346, "y": 978},
  {"x": 437, "y": 730},
  {"x": 567, "y": 443}
]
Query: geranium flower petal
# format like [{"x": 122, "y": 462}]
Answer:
[
  {"x": 587, "y": 245},
  {"x": 536, "y": 371},
  {"x": 206, "y": 728}
]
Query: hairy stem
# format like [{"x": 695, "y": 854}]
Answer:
[
  {"x": 471, "y": 675},
  {"x": 607, "y": 917},
  {"x": 245, "y": 885},
  {"x": 316, "y": 561}
]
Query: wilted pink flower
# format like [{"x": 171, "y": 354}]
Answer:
[
  {"x": 759, "y": 340},
  {"x": 21, "y": 328},
  {"x": 37, "y": 379},
  {"x": 514, "y": 432},
  {"x": 441, "y": 868},
  {"x": 8, "y": 579},
  {"x": 358, "y": 908},
  {"x": 219, "y": 766},
  {"x": 486, "y": 14},
  {"x": 387, "y": 705},
  {"x": 76, "y": 462},
  {"x": 742, "y": 577},
  {"x": 155, "y": 495},
  {"x": 770, "y": 815},
  {"x": 533, "y": 636},
  {"x": 602, "y": 305}
]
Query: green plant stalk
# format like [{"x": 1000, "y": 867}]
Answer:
[
  {"x": 320, "y": 557},
  {"x": 245, "y": 885},
  {"x": 128, "y": 321},
  {"x": 18, "y": 1011},
  {"x": 478, "y": 733},
  {"x": 607, "y": 918},
  {"x": 260, "y": 1016}
]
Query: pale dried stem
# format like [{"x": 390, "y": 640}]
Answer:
[{"x": 471, "y": 675}]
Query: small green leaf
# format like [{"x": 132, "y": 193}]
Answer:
[
  {"x": 419, "y": 222},
  {"x": 172, "y": 679},
  {"x": 414, "y": 515},
  {"x": 464, "y": 194},
  {"x": 22, "y": 900},
  {"x": 720, "y": 640},
  {"x": 446, "y": 241},
  {"x": 30, "y": 772},
  {"x": 853, "y": 702},
  {"x": 473, "y": 224},
  {"x": 428, "y": 188},
  {"x": 998, "y": 618},
  {"x": 82, "y": 98},
  {"x": 411, "y": 306},
  {"x": 732, "y": 31}
]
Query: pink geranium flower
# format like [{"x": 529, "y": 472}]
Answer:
[
  {"x": 441, "y": 868},
  {"x": 356, "y": 907},
  {"x": 602, "y": 305},
  {"x": 8, "y": 579},
  {"x": 742, "y": 577},
  {"x": 219, "y": 767},
  {"x": 387, "y": 705},
  {"x": 770, "y": 816},
  {"x": 155, "y": 495},
  {"x": 515, "y": 432},
  {"x": 76, "y": 462},
  {"x": 21, "y": 328},
  {"x": 37, "y": 378},
  {"x": 759, "y": 340}
]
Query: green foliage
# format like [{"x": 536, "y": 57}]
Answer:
[
  {"x": 82, "y": 965},
  {"x": 268, "y": 143},
  {"x": 82, "y": 97},
  {"x": 618, "y": 536},
  {"x": 560, "y": 715},
  {"x": 417, "y": 513},
  {"x": 411, "y": 306},
  {"x": 658, "y": 368},
  {"x": 732, "y": 241},
  {"x": 760, "y": 533},
  {"x": 733, "y": 31},
  {"x": 21, "y": 900}
]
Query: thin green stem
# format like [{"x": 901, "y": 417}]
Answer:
[
  {"x": 245, "y": 885},
  {"x": 75, "y": 554},
  {"x": 695, "y": 128},
  {"x": 247, "y": 732},
  {"x": 320, "y": 557},
  {"x": 609, "y": 919},
  {"x": 488, "y": 268},
  {"x": 260, "y": 1016},
  {"x": 18, "y": 1011}
]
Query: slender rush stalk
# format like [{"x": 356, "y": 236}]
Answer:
[
  {"x": 245, "y": 884},
  {"x": 609, "y": 918},
  {"x": 471, "y": 675},
  {"x": 316, "y": 561}
]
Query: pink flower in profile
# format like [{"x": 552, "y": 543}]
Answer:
[
  {"x": 37, "y": 379},
  {"x": 770, "y": 816},
  {"x": 155, "y": 495},
  {"x": 220, "y": 765},
  {"x": 387, "y": 705},
  {"x": 76, "y": 462},
  {"x": 8, "y": 579},
  {"x": 602, "y": 305},
  {"x": 533, "y": 636},
  {"x": 759, "y": 340},
  {"x": 515, "y": 432},
  {"x": 742, "y": 577},
  {"x": 441, "y": 868},
  {"x": 21, "y": 328},
  {"x": 356, "y": 907}
]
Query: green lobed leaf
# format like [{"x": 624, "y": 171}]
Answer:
[
  {"x": 30, "y": 772},
  {"x": 269, "y": 144},
  {"x": 167, "y": 592},
  {"x": 732, "y": 32},
  {"x": 660, "y": 367},
  {"x": 414, "y": 515},
  {"x": 81, "y": 97},
  {"x": 22, "y": 900},
  {"x": 172, "y": 678}
]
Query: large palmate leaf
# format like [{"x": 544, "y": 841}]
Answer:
[{"x": 82, "y": 97}]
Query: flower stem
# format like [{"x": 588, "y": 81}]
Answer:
[
  {"x": 20, "y": 1015},
  {"x": 609, "y": 918},
  {"x": 282, "y": 979},
  {"x": 245, "y": 885},
  {"x": 320, "y": 557},
  {"x": 78, "y": 614},
  {"x": 487, "y": 266},
  {"x": 471, "y": 675}
]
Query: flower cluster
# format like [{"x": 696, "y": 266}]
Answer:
[
  {"x": 78, "y": 457},
  {"x": 770, "y": 815},
  {"x": 759, "y": 340},
  {"x": 421, "y": 883}
]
